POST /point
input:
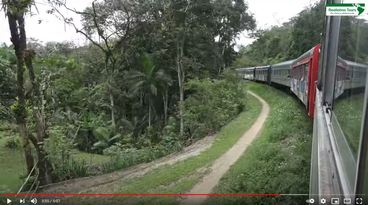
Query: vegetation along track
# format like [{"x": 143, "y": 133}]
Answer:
[
  {"x": 98, "y": 183},
  {"x": 176, "y": 178}
]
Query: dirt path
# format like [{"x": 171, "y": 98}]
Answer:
[
  {"x": 223, "y": 164},
  {"x": 110, "y": 183}
]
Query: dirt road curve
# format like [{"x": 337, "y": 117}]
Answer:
[
  {"x": 110, "y": 183},
  {"x": 222, "y": 164}
]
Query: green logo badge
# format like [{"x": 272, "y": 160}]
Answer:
[
  {"x": 345, "y": 9},
  {"x": 360, "y": 8}
]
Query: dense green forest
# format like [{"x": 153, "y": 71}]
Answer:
[
  {"x": 286, "y": 42},
  {"x": 301, "y": 33},
  {"x": 153, "y": 78}
]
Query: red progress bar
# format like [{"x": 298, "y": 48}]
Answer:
[{"x": 127, "y": 195}]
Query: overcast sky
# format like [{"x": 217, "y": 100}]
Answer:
[{"x": 48, "y": 28}]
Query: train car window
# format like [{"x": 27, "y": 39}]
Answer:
[{"x": 349, "y": 91}]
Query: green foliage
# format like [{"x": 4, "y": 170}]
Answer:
[
  {"x": 18, "y": 109},
  {"x": 59, "y": 153},
  {"x": 271, "y": 47},
  {"x": 123, "y": 154},
  {"x": 285, "y": 42},
  {"x": 149, "y": 83},
  {"x": 12, "y": 143},
  {"x": 122, "y": 158},
  {"x": 307, "y": 29},
  {"x": 106, "y": 137},
  {"x": 86, "y": 137},
  {"x": 212, "y": 105},
  {"x": 170, "y": 136},
  {"x": 7, "y": 82},
  {"x": 11, "y": 175}
]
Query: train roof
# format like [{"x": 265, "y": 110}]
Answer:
[
  {"x": 342, "y": 62},
  {"x": 355, "y": 64},
  {"x": 301, "y": 59},
  {"x": 283, "y": 64},
  {"x": 244, "y": 69},
  {"x": 251, "y": 68},
  {"x": 262, "y": 67}
]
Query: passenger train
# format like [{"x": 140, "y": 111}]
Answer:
[
  {"x": 333, "y": 91},
  {"x": 301, "y": 76}
]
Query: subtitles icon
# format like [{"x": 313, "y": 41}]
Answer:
[{"x": 335, "y": 201}]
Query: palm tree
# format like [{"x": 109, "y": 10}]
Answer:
[{"x": 149, "y": 82}]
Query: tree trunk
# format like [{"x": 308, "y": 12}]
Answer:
[
  {"x": 180, "y": 71},
  {"x": 26, "y": 147},
  {"x": 109, "y": 81},
  {"x": 44, "y": 166},
  {"x": 37, "y": 102},
  {"x": 223, "y": 58},
  {"x": 112, "y": 106},
  {"x": 149, "y": 115},
  {"x": 166, "y": 102},
  {"x": 18, "y": 38}
]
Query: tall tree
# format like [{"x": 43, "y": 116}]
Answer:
[
  {"x": 108, "y": 25},
  {"x": 15, "y": 12},
  {"x": 307, "y": 29},
  {"x": 232, "y": 17},
  {"x": 149, "y": 83}
]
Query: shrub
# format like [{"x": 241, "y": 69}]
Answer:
[
  {"x": 170, "y": 136},
  {"x": 212, "y": 105},
  {"x": 106, "y": 137},
  {"x": 86, "y": 136},
  {"x": 12, "y": 143},
  {"x": 59, "y": 153},
  {"x": 123, "y": 154},
  {"x": 122, "y": 158}
]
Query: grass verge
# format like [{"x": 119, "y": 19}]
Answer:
[
  {"x": 12, "y": 163},
  {"x": 90, "y": 158},
  {"x": 11, "y": 167},
  {"x": 278, "y": 161}
]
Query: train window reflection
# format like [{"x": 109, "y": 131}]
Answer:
[{"x": 350, "y": 80}]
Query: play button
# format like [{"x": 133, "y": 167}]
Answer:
[{"x": 8, "y": 201}]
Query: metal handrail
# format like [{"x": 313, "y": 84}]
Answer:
[
  {"x": 28, "y": 177},
  {"x": 30, "y": 195}
]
